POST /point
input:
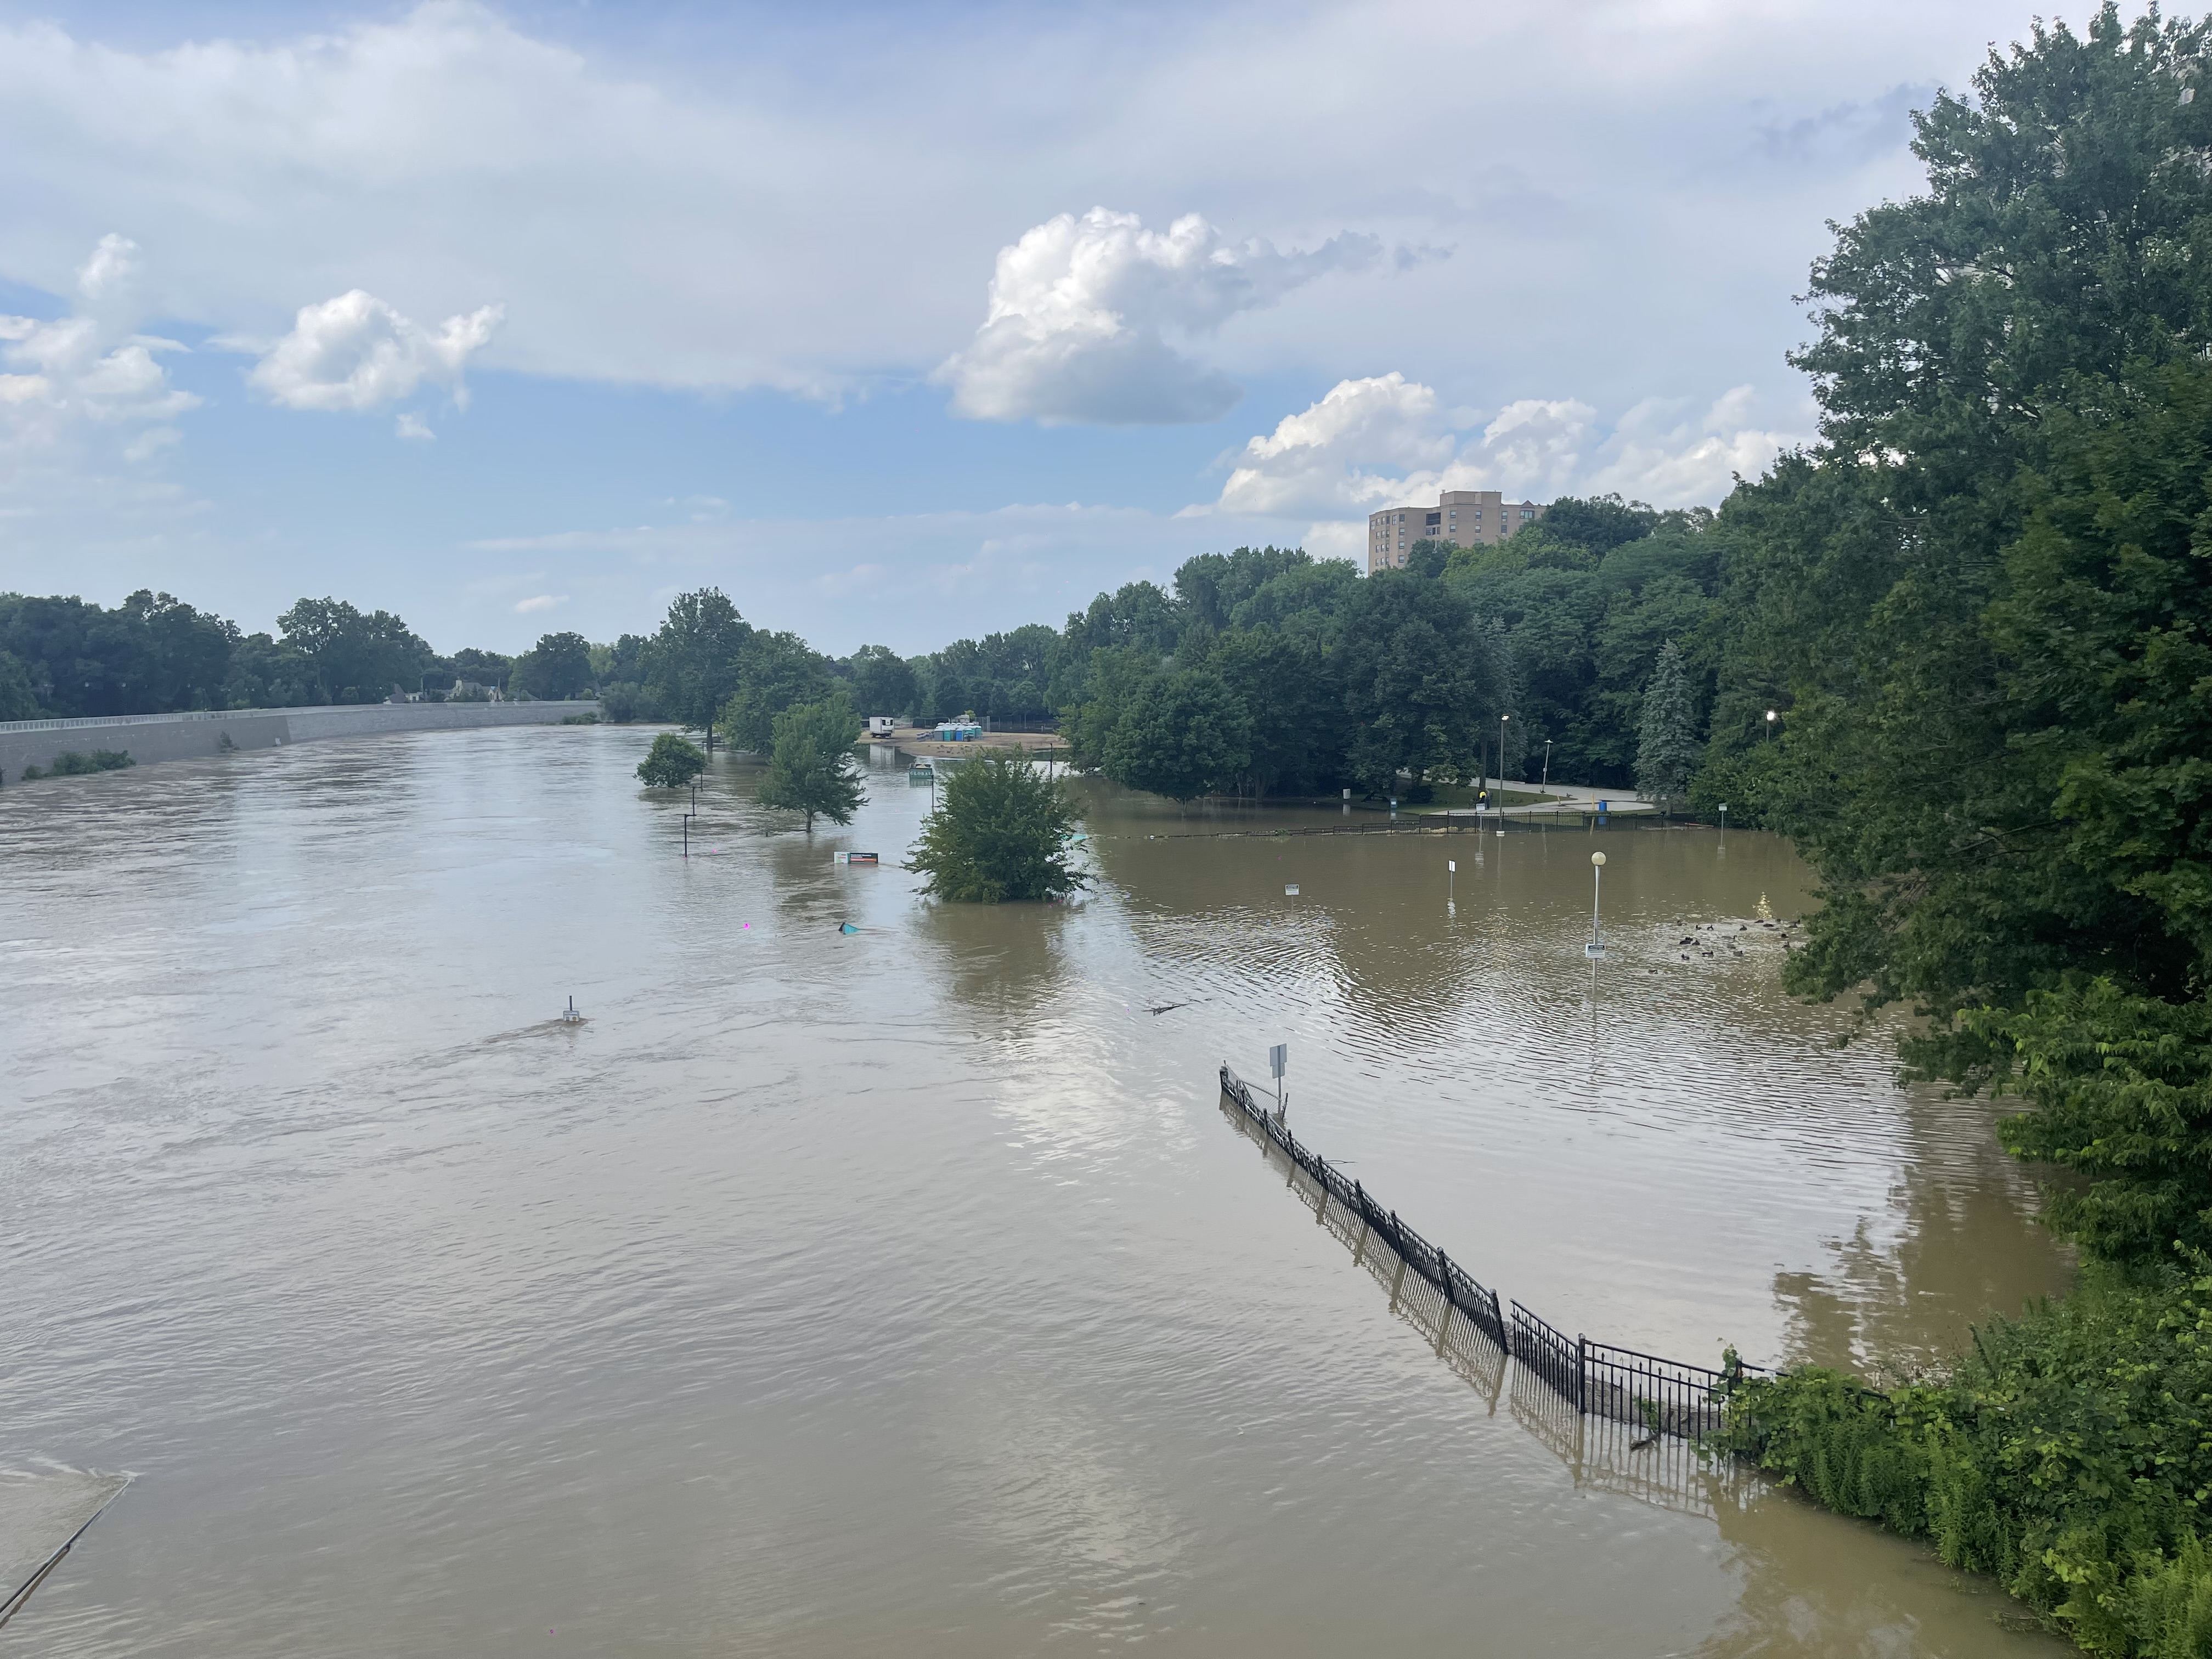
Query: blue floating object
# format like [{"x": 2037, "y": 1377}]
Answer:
[{"x": 847, "y": 927}]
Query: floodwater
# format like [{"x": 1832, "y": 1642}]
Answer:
[{"x": 908, "y": 1291}]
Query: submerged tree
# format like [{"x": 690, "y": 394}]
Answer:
[
  {"x": 810, "y": 767},
  {"x": 1667, "y": 748},
  {"x": 671, "y": 763},
  {"x": 1000, "y": 832}
]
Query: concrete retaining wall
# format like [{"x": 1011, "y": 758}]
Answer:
[{"x": 150, "y": 738}]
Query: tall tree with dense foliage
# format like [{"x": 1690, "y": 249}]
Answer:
[
  {"x": 1983, "y": 608},
  {"x": 811, "y": 767},
  {"x": 1418, "y": 690},
  {"x": 355, "y": 656},
  {"x": 558, "y": 665},
  {"x": 1668, "y": 747},
  {"x": 1980, "y": 607},
  {"x": 883, "y": 681},
  {"x": 1001, "y": 832},
  {"x": 774, "y": 672},
  {"x": 691, "y": 664},
  {"x": 1182, "y": 735}
]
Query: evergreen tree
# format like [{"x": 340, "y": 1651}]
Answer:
[
  {"x": 811, "y": 767},
  {"x": 1667, "y": 749}
]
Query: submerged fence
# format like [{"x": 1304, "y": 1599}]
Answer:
[{"x": 1652, "y": 1396}]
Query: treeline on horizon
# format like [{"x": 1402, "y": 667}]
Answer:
[
  {"x": 65, "y": 658},
  {"x": 1259, "y": 671}
]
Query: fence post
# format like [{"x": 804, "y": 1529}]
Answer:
[
  {"x": 1444, "y": 1274},
  {"x": 1360, "y": 1193},
  {"x": 1582, "y": 1372}
]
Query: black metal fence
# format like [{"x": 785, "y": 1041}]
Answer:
[{"x": 1651, "y": 1397}]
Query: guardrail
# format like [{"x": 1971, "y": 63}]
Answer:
[{"x": 1594, "y": 1379}]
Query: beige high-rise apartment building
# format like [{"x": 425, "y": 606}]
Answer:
[{"x": 1464, "y": 518}]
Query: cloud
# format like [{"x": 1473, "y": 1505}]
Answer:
[
  {"x": 355, "y": 353},
  {"x": 413, "y": 426},
  {"x": 1380, "y": 441},
  {"x": 1081, "y": 309},
  {"x": 88, "y": 368},
  {"x": 1319, "y": 457},
  {"x": 538, "y": 602}
]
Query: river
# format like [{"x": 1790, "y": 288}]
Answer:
[{"x": 908, "y": 1291}]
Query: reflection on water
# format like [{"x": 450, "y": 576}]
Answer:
[{"x": 901, "y": 1291}]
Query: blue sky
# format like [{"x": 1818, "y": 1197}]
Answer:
[{"x": 897, "y": 323}]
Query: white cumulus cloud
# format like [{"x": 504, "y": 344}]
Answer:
[
  {"x": 413, "y": 426},
  {"x": 1081, "y": 311},
  {"x": 90, "y": 365},
  {"x": 1387, "y": 440},
  {"x": 356, "y": 352},
  {"x": 538, "y": 602}
]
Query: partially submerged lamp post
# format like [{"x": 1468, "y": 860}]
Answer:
[
  {"x": 1501, "y": 719},
  {"x": 1595, "y": 949}
]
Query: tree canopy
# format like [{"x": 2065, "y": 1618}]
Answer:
[
  {"x": 671, "y": 762},
  {"x": 1000, "y": 832},
  {"x": 1983, "y": 607},
  {"x": 811, "y": 767},
  {"x": 558, "y": 665}
]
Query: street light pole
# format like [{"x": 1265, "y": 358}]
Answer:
[
  {"x": 1769, "y": 725},
  {"x": 1547, "y": 784},
  {"x": 1501, "y": 719},
  {"x": 1595, "y": 948}
]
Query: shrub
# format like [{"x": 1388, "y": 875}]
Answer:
[
  {"x": 1000, "y": 832},
  {"x": 2068, "y": 1456},
  {"x": 72, "y": 764},
  {"x": 671, "y": 763}
]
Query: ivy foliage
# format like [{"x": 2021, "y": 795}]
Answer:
[{"x": 2069, "y": 1456}]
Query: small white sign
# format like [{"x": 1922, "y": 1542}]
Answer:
[
  {"x": 1291, "y": 890},
  {"x": 1279, "y": 1058},
  {"x": 1452, "y": 864}
]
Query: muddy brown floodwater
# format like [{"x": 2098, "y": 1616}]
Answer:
[{"x": 906, "y": 1291}]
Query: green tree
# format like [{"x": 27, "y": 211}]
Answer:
[
  {"x": 1668, "y": 749},
  {"x": 354, "y": 656},
  {"x": 776, "y": 672},
  {"x": 559, "y": 666},
  {"x": 1419, "y": 688},
  {"x": 1001, "y": 832},
  {"x": 883, "y": 681},
  {"x": 1289, "y": 690},
  {"x": 17, "y": 700},
  {"x": 671, "y": 763},
  {"x": 811, "y": 767},
  {"x": 1982, "y": 610},
  {"x": 691, "y": 665},
  {"x": 1182, "y": 735},
  {"x": 1114, "y": 679}
]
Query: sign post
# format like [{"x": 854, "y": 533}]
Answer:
[{"x": 1279, "y": 1061}]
